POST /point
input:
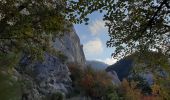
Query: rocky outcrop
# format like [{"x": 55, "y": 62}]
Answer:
[
  {"x": 70, "y": 45},
  {"x": 52, "y": 75},
  {"x": 122, "y": 68},
  {"x": 115, "y": 79}
]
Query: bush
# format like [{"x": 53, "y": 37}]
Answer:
[
  {"x": 95, "y": 83},
  {"x": 76, "y": 76},
  {"x": 130, "y": 91},
  {"x": 141, "y": 83},
  {"x": 57, "y": 96},
  {"x": 112, "y": 93},
  {"x": 9, "y": 87},
  {"x": 62, "y": 57}
]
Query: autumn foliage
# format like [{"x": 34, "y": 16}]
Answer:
[
  {"x": 90, "y": 82},
  {"x": 130, "y": 91},
  {"x": 98, "y": 86}
]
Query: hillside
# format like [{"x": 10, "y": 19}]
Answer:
[
  {"x": 122, "y": 68},
  {"x": 97, "y": 64}
]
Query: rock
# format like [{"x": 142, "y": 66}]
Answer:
[
  {"x": 70, "y": 45},
  {"x": 51, "y": 76},
  {"x": 115, "y": 78}
]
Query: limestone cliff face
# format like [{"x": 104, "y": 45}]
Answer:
[
  {"x": 46, "y": 78},
  {"x": 70, "y": 45}
]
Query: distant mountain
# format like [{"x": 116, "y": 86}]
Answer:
[
  {"x": 122, "y": 68},
  {"x": 97, "y": 65},
  {"x": 125, "y": 65}
]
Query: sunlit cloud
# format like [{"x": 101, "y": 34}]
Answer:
[
  {"x": 109, "y": 61},
  {"x": 93, "y": 47}
]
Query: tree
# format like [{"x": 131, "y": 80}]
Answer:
[
  {"x": 133, "y": 25},
  {"x": 130, "y": 91},
  {"x": 92, "y": 83},
  {"x": 29, "y": 26}
]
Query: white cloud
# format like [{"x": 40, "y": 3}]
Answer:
[
  {"x": 108, "y": 61},
  {"x": 93, "y": 47},
  {"x": 97, "y": 27}
]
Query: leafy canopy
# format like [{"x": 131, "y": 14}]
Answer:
[
  {"x": 29, "y": 25},
  {"x": 133, "y": 25}
]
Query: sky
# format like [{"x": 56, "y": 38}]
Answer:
[{"x": 94, "y": 37}]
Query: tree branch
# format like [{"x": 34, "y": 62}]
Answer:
[
  {"x": 167, "y": 5},
  {"x": 9, "y": 16},
  {"x": 149, "y": 23}
]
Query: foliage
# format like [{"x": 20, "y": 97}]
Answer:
[
  {"x": 9, "y": 87},
  {"x": 9, "y": 60},
  {"x": 54, "y": 96},
  {"x": 62, "y": 57},
  {"x": 76, "y": 76},
  {"x": 158, "y": 65},
  {"x": 161, "y": 88},
  {"x": 141, "y": 83},
  {"x": 29, "y": 26},
  {"x": 92, "y": 83},
  {"x": 130, "y": 91},
  {"x": 57, "y": 96},
  {"x": 134, "y": 90},
  {"x": 112, "y": 93},
  {"x": 134, "y": 25},
  {"x": 95, "y": 83},
  {"x": 145, "y": 60}
]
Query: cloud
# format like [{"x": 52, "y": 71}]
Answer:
[
  {"x": 93, "y": 47},
  {"x": 108, "y": 61},
  {"x": 97, "y": 27}
]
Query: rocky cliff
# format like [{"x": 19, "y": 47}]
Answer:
[
  {"x": 70, "y": 45},
  {"x": 43, "y": 79}
]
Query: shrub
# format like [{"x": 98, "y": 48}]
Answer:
[
  {"x": 141, "y": 83},
  {"x": 130, "y": 91},
  {"x": 9, "y": 87},
  {"x": 112, "y": 93},
  {"x": 161, "y": 89},
  {"x": 61, "y": 56},
  {"x": 57, "y": 96},
  {"x": 76, "y": 76}
]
